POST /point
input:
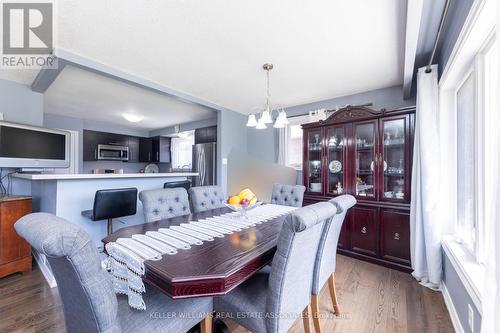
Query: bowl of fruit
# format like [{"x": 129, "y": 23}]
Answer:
[{"x": 243, "y": 201}]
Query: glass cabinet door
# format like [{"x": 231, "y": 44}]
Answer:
[
  {"x": 394, "y": 158},
  {"x": 336, "y": 146},
  {"x": 314, "y": 160},
  {"x": 365, "y": 159}
]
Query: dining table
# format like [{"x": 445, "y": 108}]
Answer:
[{"x": 213, "y": 268}]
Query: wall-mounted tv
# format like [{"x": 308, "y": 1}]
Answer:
[{"x": 23, "y": 146}]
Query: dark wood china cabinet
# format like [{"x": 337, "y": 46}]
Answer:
[{"x": 366, "y": 153}]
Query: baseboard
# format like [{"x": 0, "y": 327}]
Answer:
[{"x": 451, "y": 309}]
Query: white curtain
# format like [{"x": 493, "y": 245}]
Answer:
[
  {"x": 425, "y": 240},
  {"x": 490, "y": 302},
  {"x": 282, "y": 145}
]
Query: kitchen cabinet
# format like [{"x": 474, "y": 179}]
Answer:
[
  {"x": 133, "y": 149},
  {"x": 161, "y": 149},
  {"x": 366, "y": 153},
  {"x": 205, "y": 135},
  {"x": 146, "y": 150},
  {"x": 91, "y": 139}
]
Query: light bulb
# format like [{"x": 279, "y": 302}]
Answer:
[{"x": 266, "y": 116}]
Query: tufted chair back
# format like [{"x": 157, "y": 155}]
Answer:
[
  {"x": 326, "y": 258},
  {"x": 288, "y": 195},
  {"x": 164, "y": 203},
  {"x": 207, "y": 197},
  {"x": 86, "y": 290}
]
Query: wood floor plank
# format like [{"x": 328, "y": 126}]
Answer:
[{"x": 372, "y": 299}]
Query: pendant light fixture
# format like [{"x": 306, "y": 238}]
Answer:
[{"x": 266, "y": 117}]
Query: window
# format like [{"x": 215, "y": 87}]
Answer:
[
  {"x": 465, "y": 101},
  {"x": 181, "y": 150},
  {"x": 293, "y": 142},
  {"x": 476, "y": 105}
]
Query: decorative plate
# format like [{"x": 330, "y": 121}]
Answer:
[
  {"x": 335, "y": 166},
  {"x": 372, "y": 166},
  {"x": 151, "y": 168}
]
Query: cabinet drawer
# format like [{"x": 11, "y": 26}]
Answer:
[
  {"x": 395, "y": 233},
  {"x": 364, "y": 230}
]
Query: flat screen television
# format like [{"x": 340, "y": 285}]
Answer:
[{"x": 24, "y": 146}]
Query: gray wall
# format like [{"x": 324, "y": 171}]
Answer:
[
  {"x": 262, "y": 144},
  {"x": 457, "y": 13},
  {"x": 231, "y": 133},
  {"x": 19, "y": 104},
  {"x": 459, "y": 296}
]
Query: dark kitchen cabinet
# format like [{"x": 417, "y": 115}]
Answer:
[
  {"x": 366, "y": 153},
  {"x": 205, "y": 135},
  {"x": 90, "y": 141},
  {"x": 161, "y": 149},
  {"x": 133, "y": 148},
  {"x": 146, "y": 150}
]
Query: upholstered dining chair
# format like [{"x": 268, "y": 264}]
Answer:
[
  {"x": 164, "y": 203},
  {"x": 272, "y": 302},
  {"x": 86, "y": 290},
  {"x": 288, "y": 195},
  {"x": 326, "y": 259},
  {"x": 206, "y": 197}
]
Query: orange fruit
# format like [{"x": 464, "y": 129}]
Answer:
[{"x": 235, "y": 200}]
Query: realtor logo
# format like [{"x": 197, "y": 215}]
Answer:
[{"x": 27, "y": 35}]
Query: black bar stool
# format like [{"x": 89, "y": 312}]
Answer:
[
  {"x": 181, "y": 183},
  {"x": 113, "y": 203}
]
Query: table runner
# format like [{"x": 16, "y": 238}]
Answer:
[{"x": 127, "y": 255}]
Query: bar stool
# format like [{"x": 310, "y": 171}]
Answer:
[
  {"x": 181, "y": 183},
  {"x": 113, "y": 203}
]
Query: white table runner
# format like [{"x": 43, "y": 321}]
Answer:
[{"x": 127, "y": 255}]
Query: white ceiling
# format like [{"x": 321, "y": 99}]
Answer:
[
  {"x": 82, "y": 94},
  {"x": 214, "y": 50}
]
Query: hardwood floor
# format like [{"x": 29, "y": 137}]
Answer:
[{"x": 372, "y": 299}]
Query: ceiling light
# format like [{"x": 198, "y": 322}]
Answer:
[
  {"x": 252, "y": 121},
  {"x": 133, "y": 118},
  {"x": 261, "y": 124},
  {"x": 281, "y": 121},
  {"x": 266, "y": 116}
]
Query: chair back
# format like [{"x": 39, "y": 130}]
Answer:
[
  {"x": 206, "y": 197},
  {"x": 85, "y": 288},
  {"x": 113, "y": 203},
  {"x": 292, "y": 269},
  {"x": 288, "y": 195},
  {"x": 326, "y": 258},
  {"x": 164, "y": 203},
  {"x": 186, "y": 184}
]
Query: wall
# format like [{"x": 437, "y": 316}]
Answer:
[
  {"x": 187, "y": 126},
  {"x": 263, "y": 143},
  {"x": 231, "y": 133},
  {"x": 457, "y": 14},
  {"x": 19, "y": 104},
  {"x": 459, "y": 296}
]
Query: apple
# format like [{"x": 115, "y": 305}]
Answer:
[{"x": 245, "y": 202}]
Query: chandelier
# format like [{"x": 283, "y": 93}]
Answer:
[{"x": 266, "y": 117}]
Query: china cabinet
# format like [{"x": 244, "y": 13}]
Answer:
[{"x": 366, "y": 153}]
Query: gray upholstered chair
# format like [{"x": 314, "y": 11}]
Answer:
[
  {"x": 326, "y": 259},
  {"x": 206, "y": 197},
  {"x": 274, "y": 301},
  {"x": 86, "y": 290},
  {"x": 164, "y": 203},
  {"x": 288, "y": 195}
]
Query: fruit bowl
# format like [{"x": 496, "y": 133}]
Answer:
[
  {"x": 242, "y": 202},
  {"x": 238, "y": 208}
]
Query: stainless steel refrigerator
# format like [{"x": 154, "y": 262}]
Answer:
[{"x": 204, "y": 162}]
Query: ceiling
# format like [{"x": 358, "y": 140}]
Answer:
[
  {"x": 214, "y": 50},
  {"x": 86, "y": 95}
]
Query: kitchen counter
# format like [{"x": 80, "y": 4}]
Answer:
[{"x": 53, "y": 176}]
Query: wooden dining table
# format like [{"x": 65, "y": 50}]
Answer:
[{"x": 213, "y": 268}]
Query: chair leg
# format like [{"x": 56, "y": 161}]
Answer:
[
  {"x": 315, "y": 312},
  {"x": 305, "y": 320},
  {"x": 110, "y": 226},
  {"x": 206, "y": 324},
  {"x": 333, "y": 293}
]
